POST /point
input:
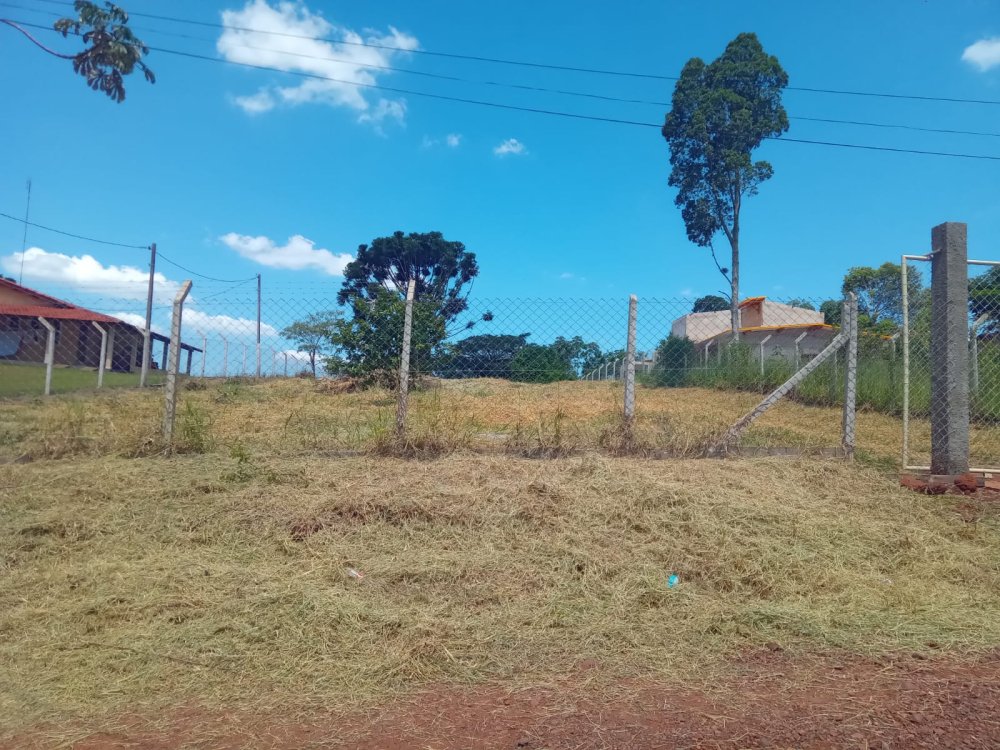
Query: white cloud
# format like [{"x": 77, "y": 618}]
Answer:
[
  {"x": 84, "y": 273},
  {"x": 510, "y": 147},
  {"x": 385, "y": 109},
  {"x": 687, "y": 292},
  {"x": 256, "y": 104},
  {"x": 984, "y": 54},
  {"x": 139, "y": 321},
  {"x": 452, "y": 140},
  {"x": 224, "y": 325},
  {"x": 295, "y": 44},
  {"x": 297, "y": 254}
]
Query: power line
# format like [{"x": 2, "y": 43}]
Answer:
[
  {"x": 228, "y": 289},
  {"x": 161, "y": 256},
  {"x": 131, "y": 247},
  {"x": 537, "y": 110},
  {"x": 74, "y": 236},
  {"x": 555, "y": 113},
  {"x": 523, "y": 63},
  {"x": 523, "y": 87}
]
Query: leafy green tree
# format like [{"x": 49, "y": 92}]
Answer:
[
  {"x": 483, "y": 356},
  {"x": 112, "y": 50},
  {"x": 674, "y": 356},
  {"x": 720, "y": 113},
  {"x": 984, "y": 301},
  {"x": 314, "y": 335},
  {"x": 802, "y": 304},
  {"x": 374, "y": 290},
  {"x": 710, "y": 303},
  {"x": 443, "y": 270},
  {"x": 831, "y": 310},
  {"x": 581, "y": 356},
  {"x": 370, "y": 341},
  {"x": 880, "y": 294},
  {"x": 536, "y": 363}
]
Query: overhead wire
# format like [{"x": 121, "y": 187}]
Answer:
[
  {"x": 159, "y": 254},
  {"x": 555, "y": 113},
  {"x": 501, "y": 84},
  {"x": 74, "y": 236},
  {"x": 524, "y": 63}
]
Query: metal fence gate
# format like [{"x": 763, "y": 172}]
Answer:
[{"x": 984, "y": 369}]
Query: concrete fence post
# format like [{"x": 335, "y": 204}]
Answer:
[
  {"x": 949, "y": 352},
  {"x": 404, "y": 362},
  {"x": 974, "y": 352},
  {"x": 170, "y": 397},
  {"x": 102, "y": 361},
  {"x": 633, "y": 304},
  {"x": 204, "y": 353},
  {"x": 849, "y": 318},
  {"x": 50, "y": 353},
  {"x": 147, "y": 332},
  {"x": 762, "y": 342},
  {"x": 798, "y": 349},
  {"x": 243, "y": 370},
  {"x": 225, "y": 355}
]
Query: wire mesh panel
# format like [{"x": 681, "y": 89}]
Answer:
[
  {"x": 984, "y": 367},
  {"x": 716, "y": 376},
  {"x": 984, "y": 362},
  {"x": 537, "y": 376}
]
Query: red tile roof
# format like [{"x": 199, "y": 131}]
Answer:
[
  {"x": 50, "y": 307},
  {"x": 43, "y": 298},
  {"x": 57, "y": 313}
]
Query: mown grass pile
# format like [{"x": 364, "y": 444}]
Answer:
[{"x": 223, "y": 579}]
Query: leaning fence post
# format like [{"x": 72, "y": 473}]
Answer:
[
  {"x": 850, "y": 319},
  {"x": 633, "y": 304},
  {"x": 170, "y": 399},
  {"x": 949, "y": 349},
  {"x": 404, "y": 361},
  {"x": 50, "y": 353},
  {"x": 104, "y": 353}
]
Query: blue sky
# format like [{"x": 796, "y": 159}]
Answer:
[{"x": 568, "y": 208}]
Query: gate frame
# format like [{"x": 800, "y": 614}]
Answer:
[{"x": 903, "y": 264}]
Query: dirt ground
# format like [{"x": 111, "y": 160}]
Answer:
[{"x": 774, "y": 701}]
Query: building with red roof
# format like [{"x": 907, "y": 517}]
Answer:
[{"x": 24, "y": 313}]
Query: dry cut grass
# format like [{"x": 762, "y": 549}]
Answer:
[
  {"x": 295, "y": 417},
  {"x": 223, "y": 579}
]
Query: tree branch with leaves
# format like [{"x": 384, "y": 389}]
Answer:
[{"x": 112, "y": 50}]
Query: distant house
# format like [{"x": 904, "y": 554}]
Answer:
[
  {"x": 23, "y": 336},
  {"x": 782, "y": 330}
]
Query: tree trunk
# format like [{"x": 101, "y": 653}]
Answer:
[
  {"x": 312, "y": 362},
  {"x": 734, "y": 277}
]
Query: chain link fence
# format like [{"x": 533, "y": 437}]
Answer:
[
  {"x": 911, "y": 387},
  {"x": 536, "y": 376}
]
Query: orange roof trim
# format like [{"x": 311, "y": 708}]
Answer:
[
  {"x": 782, "y": 328},
  {"x": 752, "y": 301}
]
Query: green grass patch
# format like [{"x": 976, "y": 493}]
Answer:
[{"x": 28, "y": 379}]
